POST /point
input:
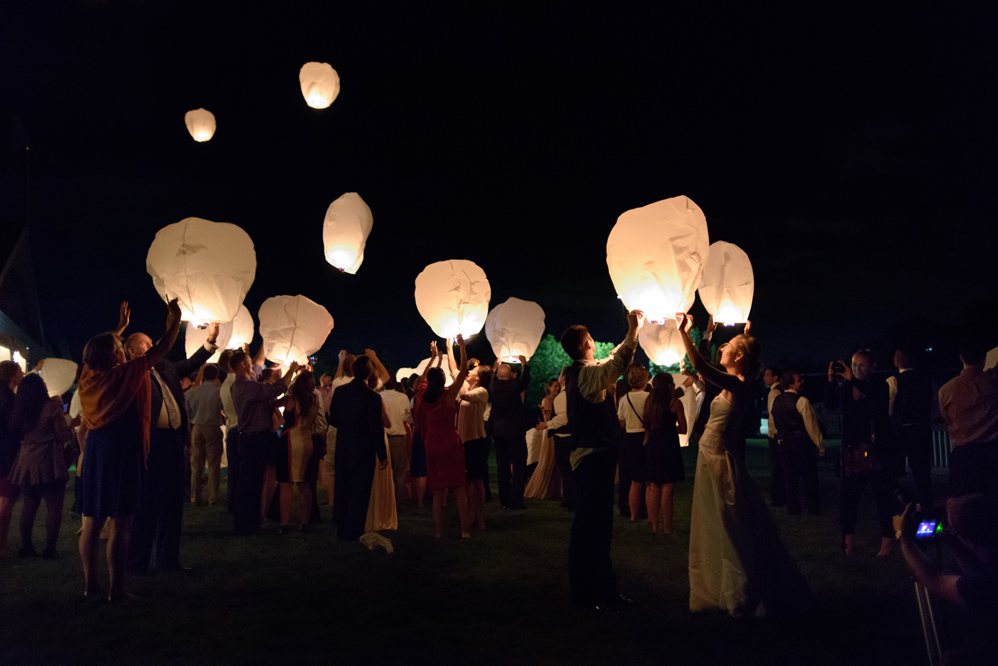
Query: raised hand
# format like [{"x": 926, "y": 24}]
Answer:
[
  {"x": 213, "y": 332},
  {"x": 522, "y": 359},
  {"x": 370, "y": 354},
  {"x": 342, "y": 355},
  {"x": 684, "y": 322},
  {"x": 748, "y": 328},
  {"x": 433, "y": 350},
  {"x": 172, "y": 312},
  {"x": 124, "y": 317},
  {"x": 710, "y": 326}
]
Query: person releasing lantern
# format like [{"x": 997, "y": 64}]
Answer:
[
  {"x": 231, "y": 334},
  {"x": 320, "y": 84},
  {"x": 293, "y": 328},
  {"x": 514, "y": 329},
  {"x": 208, "y": 266},
  {"x": 661, "y": 342},
  {"x": 655, "y": 256},
  {"x": 201, "y": 124},
  {"x": 453, "y": 297},
  {"x": 345, "y": 230},
  {"x": 728, "y": 283}
]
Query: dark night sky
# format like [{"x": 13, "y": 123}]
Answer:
[{"x": 848, "y": 149}]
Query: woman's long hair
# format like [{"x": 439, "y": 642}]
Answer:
[
  {"x": 659, "y": 403},
  {"x": 99, "y": 354},
  {"x": 32, "y": 394},
  {"x": 434, "y": 385},
  {"x": 303, "y": 391},
  {"x": 485, "y": 379}
]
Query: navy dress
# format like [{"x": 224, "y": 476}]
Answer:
[{"x": 112, "y": 463}]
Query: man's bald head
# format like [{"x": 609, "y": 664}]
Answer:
[{"x": 137, "y": 344}]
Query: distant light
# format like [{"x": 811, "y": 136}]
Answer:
[
  {"x": 929, "y": 349},
  {"x": 201, "y": 124},
  {"x": 320, "y": 84}
]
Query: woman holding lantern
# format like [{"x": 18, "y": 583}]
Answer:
[
  {"x": 737, "y": 561},
  {"x": 436, "y": 413}
]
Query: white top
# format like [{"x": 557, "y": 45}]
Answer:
[
  {"x": 626, "y": 413},
  {"x": 810, "y": 420},
  {"x": 719, "y": 408},
  {"x": 560, "y": 417},
  {"x": 774, "y": 391},
  {"x": 225, "y": 393},
  {"x": 397, "y": 406},
  {"x": 75, "y": 405}
]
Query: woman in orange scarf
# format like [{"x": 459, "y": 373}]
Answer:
[{"x": 115, "y": 396}]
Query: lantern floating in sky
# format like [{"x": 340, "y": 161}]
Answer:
[
  {"x": 201, "y": 124},
  {"x": 345, "y": 230},
  {"x": 655, "y": 255},
  {"x": 515, "y": 328},
  {"x": 208, "y": 266},
  {"x": 661, "y": 342},
  {"x": 453, "y": 297},
  {"x": 59, "y": 375},
  {"x": 242, "y": 329},
  {"x": 418, "y": 370},
  {"x": 320, "y": 84},
  {"x": 231, "y": 334},
  {"x": 293, "y": 328},
  {"x": 728, "y": 283}
]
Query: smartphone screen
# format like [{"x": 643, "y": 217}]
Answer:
[{"x": 926, "y": 528}]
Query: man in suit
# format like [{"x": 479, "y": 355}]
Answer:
[
  {"x": 800, "y": 444},
  {"x": 911, "y": 397},
  {"x": 355, "y": 412},
  {"x": 777, "y": 485},
  {"x": 161, "y": 486}
]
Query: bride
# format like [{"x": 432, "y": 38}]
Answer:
[{"x": 737, "y": 561}]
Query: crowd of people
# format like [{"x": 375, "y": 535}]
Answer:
[{"x": 376, "y": 443}]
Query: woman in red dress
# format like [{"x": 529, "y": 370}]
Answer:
[{"x": 436, "y": 415}]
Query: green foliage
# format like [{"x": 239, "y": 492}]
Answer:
[
  {"x": 674, "y": 368},
  {"x": 547, "y": 362}
]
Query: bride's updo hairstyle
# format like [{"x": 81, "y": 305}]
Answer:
[{"x": 751, "y": 351}]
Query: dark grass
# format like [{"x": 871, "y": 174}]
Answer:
[{"x": 500, "y": 598}]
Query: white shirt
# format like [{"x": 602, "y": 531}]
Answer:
[
  {"x": 225, "y": 393},
  {"x": 630, "y": 415},
  {"x": 397, "y": 406},
  {"x": 560, "y": 417},
  {"x": 810, "y": 421}
]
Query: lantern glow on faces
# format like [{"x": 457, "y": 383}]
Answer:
[
  {"x": 515, "y": 328},
  {"x": 655, "y": 255},
  {"x": 453, "y": 297},
  {"x": 344, "y": 233},
  {"x": 728, "y": 284},
  {"x": 59, "y": 375},
  {"x": 208, "y": 266},
  {"x": 320, "y": 84},
  {"x": 201, "y": 124},
  {"x": 293, "y": 328},
  {"x": 661, "y": 342}
]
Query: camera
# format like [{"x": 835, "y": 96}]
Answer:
[
  {"x": 838, "y": 367},
  {"x": 931, "y": 522}
]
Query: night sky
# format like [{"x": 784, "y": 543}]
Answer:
[{"x": 848, "y": 149}]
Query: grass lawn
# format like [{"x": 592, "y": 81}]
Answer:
[{"x": 499, "y": 598}]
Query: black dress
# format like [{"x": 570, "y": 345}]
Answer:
[{"x": 665, "y": 458}]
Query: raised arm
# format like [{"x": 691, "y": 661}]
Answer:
[
  {"x": 166, "y": 342},
  {"x": 524, "y": 379},
  {"x": 124, "y": 316},
  {"x": 378, "y": 365},
  {"x": 426, "y": 370},
  {"x": 455, "y": 389},
  {"x": 201, "y": 356},
  {"x": 717, "y": 377},
  {"x": 261, "y": 355},
  {"x": 451, "y": 363}
]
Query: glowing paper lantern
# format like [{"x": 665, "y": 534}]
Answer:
[
  {"x": 655, "y": 255},
  {"x": 208, "y": 266},
  {"x": 453, "y": 297},
  {"x": 320, "y": 84},
  {"x": 293, "y": 328},
  {"x": 242, "y": 329},
  {"x": 201, "y": 124},
  {"x": 661, "y": 342},
  {"x": 515, "y": 328},
  {"x": 59, "y": 375},
  {"x": 418, "y": 370},
  {"x": 344, "y": 233},
  {"x": 728, "y": 283},
  {"x": 194, "y": 339}
]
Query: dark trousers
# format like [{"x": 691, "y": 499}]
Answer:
[
  {"x": 232, "y": 457},
  {"x": 352, "y": 494},
  {"x": 511, "y": 451},
  {"x": 777, "y": 482},
  {"x": 161, "y": 504},
  {"x": 973, "y": 468},
  {"x": 916, "y": 444},
  {"x": 883, "y": 493},
  {"x": 563, "y": 460},
  {"x": 590, "y": 570},
  {"x": 254, "y": 452},
  {"x": 799, "y": 461}
]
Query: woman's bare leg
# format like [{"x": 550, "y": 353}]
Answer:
[
  {"x": 285, "y": 501},
  {"x": 653, "y": 498},
  {"x": 53, "y": 519},
  {"x": 462, "y": 510},
  {"x": 438, "y": 513},
  {"x": 667, "y": 492},
  {"x": 634, "y": 499},
  {"x": 29, "y": 509},
  {"x": 419, "y": 489},
  {"x": 89, "y": 554},
  {"x": 305, "y": 497},
  {"x": 117, "y": 555},
  {"x": 6, "y": 514},
  {"x": 269, "y": 486}
]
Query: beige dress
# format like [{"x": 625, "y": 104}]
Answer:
[{"x": 381, "y": 510}]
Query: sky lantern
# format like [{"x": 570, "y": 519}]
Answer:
[
  {"x": 728, "y": 283},
  {"x": 209, "y": 266},
  {"x": 515, "y": 328},
  {"x": 231, "y": 335},
  {"x": 320, "y": 84},
  {"x": 201, "y": 124},
  {"x": 59, "y": 375},
  {"x": 293, "y": 328},
  {"x": 453, "y": 297},
  {"x": 242, "y": 329},
  {"x": 655, "y": 255},
  {"x": 402, "y": 373},
  {"x": 661, "y": 342},
  {"x": 345, "y": 230}
]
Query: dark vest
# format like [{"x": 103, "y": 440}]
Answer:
[
  {"x": 913, "y": 404},
  {"x": 592, "y": 425},
  {"x": 788, "y": 421}
]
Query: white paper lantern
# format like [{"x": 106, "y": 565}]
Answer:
[
  {"x": 418, "y": 370},
  {"x": 661, "y": 342},
  {"x": 320, "y": 84},
  {"x": 242, "y": 329},
  {"x": 201, "y": 124},
  {"x": 208, "y": 266},
  {"x": 293, "y": 328},
  {"x": 59, "y": 375},
  {"x": 728, "y": 283},
  {"x": 655, "y": 255},
  {"x": 345, "y": 230},
  {"x": 515, "y": 328},
  {"x": 194, "y": 339},
  {"x": 453, "y": 297}
]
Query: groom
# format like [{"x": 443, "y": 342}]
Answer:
[{"x": 595, "y": 432}]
